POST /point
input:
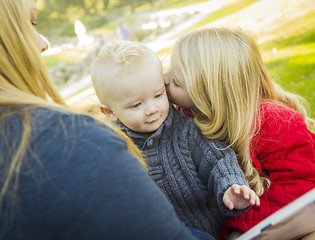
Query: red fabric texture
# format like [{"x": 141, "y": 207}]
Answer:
[
  {"x": 185, "y": 112},
  {"x": 283, "y": 149}
]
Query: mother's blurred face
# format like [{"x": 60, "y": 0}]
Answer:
[{"x": 41, "y": 42}]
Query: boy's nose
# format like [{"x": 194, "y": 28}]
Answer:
[{"x": 151, "y": 109}]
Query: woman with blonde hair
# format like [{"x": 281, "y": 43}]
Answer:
[
  {"x": 65, "y": 175},
  {"x": 219, "y": 74}
]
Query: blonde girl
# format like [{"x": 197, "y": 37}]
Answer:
[
  {"x": 220, "y": 74},
  {"x": 65, "y": 175}
]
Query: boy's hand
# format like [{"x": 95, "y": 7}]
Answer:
[{"x": 240, "y": 197}]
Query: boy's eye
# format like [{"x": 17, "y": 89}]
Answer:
[{"x": 136, "y": 105}]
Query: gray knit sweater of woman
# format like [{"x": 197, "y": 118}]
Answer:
[{"x": 193, "y": 171}]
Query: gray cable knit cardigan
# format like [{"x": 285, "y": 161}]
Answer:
[{"x": 192, "y": 171}]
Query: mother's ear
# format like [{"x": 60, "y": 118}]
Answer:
[{"x": 109, "y": 113}]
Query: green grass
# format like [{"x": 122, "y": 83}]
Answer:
[
  {"x": 293, "y": 65},
  {"x": 296, "y": 74}
]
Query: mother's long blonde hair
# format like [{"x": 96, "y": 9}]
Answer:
[
  {"x": 24, "y": 80},
  {"x": 226, "y": 79}
]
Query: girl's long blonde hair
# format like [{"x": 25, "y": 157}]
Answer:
[
  {"x": 24, "y": 80},
  {"x": 226, "y": 79}
]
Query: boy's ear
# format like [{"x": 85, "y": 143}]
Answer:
[{"x": 109, "y": 113}]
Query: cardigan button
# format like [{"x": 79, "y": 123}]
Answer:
[{"x": 150, "y": 142}]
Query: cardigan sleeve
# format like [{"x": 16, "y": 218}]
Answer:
[{"x": 217, "y": 167}]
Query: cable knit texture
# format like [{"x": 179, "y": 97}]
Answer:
[{"x": 193, "y": 171}]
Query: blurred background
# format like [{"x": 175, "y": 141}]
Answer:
[{"x": 76, "y": 29}]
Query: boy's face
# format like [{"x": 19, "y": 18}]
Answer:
[
  {"x": 138, "y": 97},
  {"x": 176, "y": 88}
]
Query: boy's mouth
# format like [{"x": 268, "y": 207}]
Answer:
[{"x": 151, "y": 120}]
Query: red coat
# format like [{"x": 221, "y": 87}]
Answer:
[{"x": 284, "y": 150}]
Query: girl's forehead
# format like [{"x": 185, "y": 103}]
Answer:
[{"x": 176, "y": 71}]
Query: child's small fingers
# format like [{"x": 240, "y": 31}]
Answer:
[
  {"x": 228, "y": 203},
  {"x": 257, "y": 201},
  {"x": 236, "y": 188},
  {"x": 253, "y": 198},
  {"x": 246, "y": 192}
]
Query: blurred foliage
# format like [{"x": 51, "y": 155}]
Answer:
[
  {"x": 92, "y": 13},
  {"x": 54, "y": 59}
]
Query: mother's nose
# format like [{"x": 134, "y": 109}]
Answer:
[{"x": 43, "y": 43}]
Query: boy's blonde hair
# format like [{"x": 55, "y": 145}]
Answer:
[
  {"x": 226, "y": 79},
  {"x": 114, "y": 59}
]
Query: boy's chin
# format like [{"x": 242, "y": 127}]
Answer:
[
  {"x": 146, "y": 134},
  {"x": 150, "y": 131}
]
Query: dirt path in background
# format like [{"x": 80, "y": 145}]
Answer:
[{"x": 261, "y": 18}]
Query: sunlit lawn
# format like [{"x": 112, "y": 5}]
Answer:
[{"x": 293, "y": 64}]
